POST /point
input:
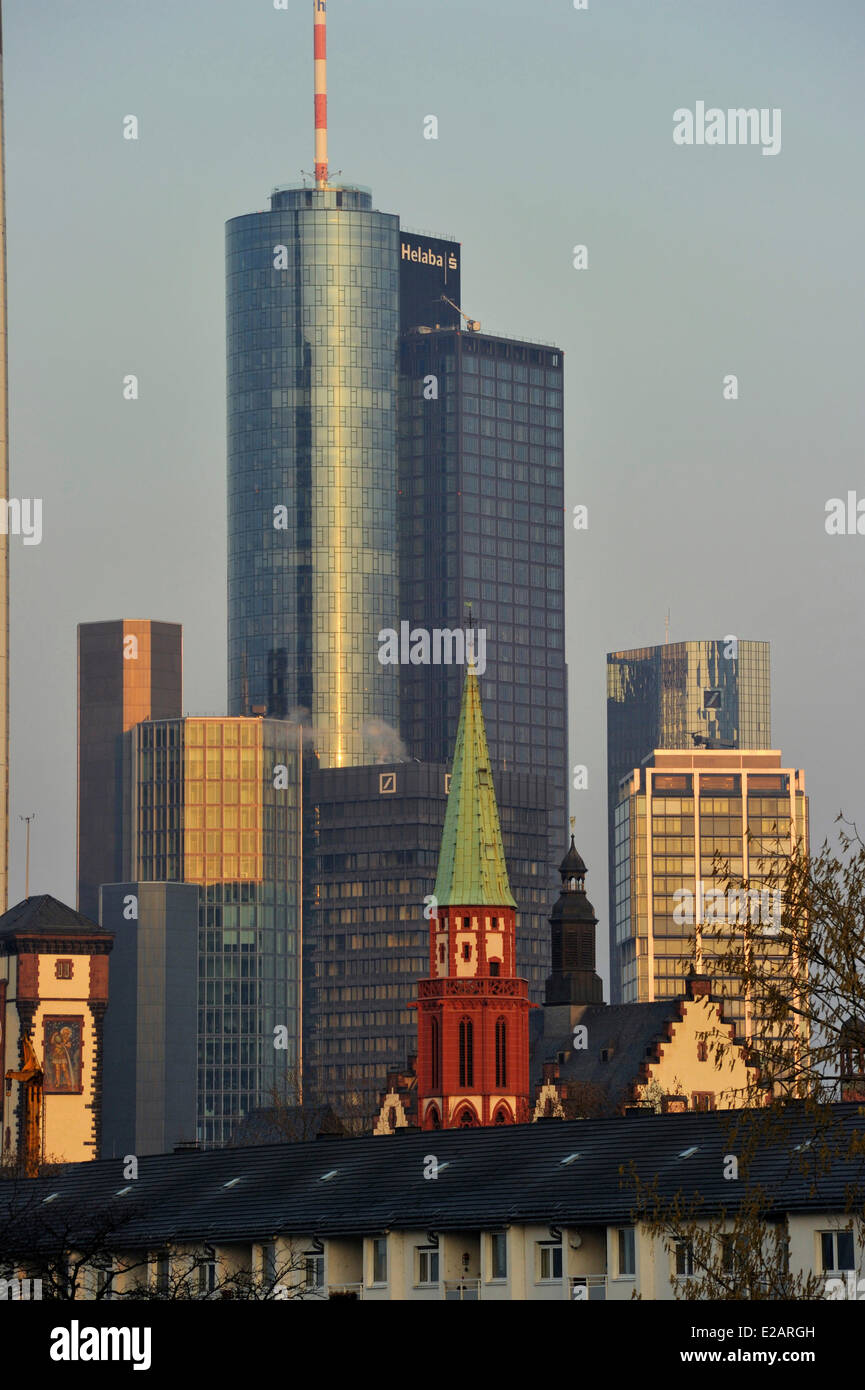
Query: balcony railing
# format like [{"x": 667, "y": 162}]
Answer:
[
  {"x": 345, "y": 1290},
  {"x": 589, "y": 1288},
  {"x": 463, "y": 1290}
]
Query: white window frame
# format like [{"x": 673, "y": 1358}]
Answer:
[
  {"x": 688, "y": 1250},
  {"x": 834, "y": 1237},
  {"x": 378, "y": 1283},
  {"x": 549, "y": 1247},
  {"x": 427, "y": 1255},
  {"x": 622, "y": 1233},
  {"x": 493, "y": 1237}
]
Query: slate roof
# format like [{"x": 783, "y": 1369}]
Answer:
[
  {"x": 626, "y": 1032},
  {"x": 487, "y": 1178},
  {"x": 289, "y": 1124},
  {"x": 44, "y": 916}
]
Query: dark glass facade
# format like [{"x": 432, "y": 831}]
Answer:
[
  {"x": 312, "y": 330},
  {"x": 150, "y": 1044},
  {"x": 482, "y": 522},
  {"x": 679, "y": 696},
  {"x": 216, "y": 802},
  {"x": 429, "y": 267},
  {"x": 374, "y": 839},
  {"x": 128, "y": 670}
]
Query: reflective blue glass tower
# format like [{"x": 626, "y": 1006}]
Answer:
[{"x": 312, "y": 339}]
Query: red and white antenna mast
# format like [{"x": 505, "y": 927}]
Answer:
[{"x": 319, "y": 50}]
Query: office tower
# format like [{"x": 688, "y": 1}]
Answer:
[
  {"x": 675, "y": 813},
  {"x": 313, "y": 314},
  {"x": 375, "y": 834},
  {"x": 318, "y": 288},
  {"x": 128, "y": 670},
  {"x": 216, "y": 802},
  {"x": 149, "y": 1076},
  {"x": 4, "y": 536},
  {"x": 473, "y": 1009},
  {"x": 711, "y": 694},
  {"x": 481, "y": 523}
]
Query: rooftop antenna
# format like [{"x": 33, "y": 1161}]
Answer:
[
  {"x": 27, "y": 820},
  {"x": 667, "y": 628},
  {"x": 319, "y": 51}
]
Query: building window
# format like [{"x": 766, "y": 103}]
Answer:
[
  {"x": 499, "y": 1255},
  {"x": 206, "y": 1279},
  {"x": 549, "y": 1261},
  {"x": 703, "y": 1100},
  {"x": 63, "y": 970},
  {"x": 162, "y": 1272},
  {"x": 626, "y": 1252},
  {"x": 495, "y": 968},
  {"x": 427, "y": 1264},
  {"x": 837, "y": 1251},
  {"x": 268, "y": 1261},
  {"x": 466, "y": 1047},
  {"x": 501, "y": 1052},
  {"x": 702, "y": 1051},
  {"x": 313, "y": 1270},
  {"x": 379, "y": 1260},
  {"x": 434, "y": 1052},
  {"x": 467, "y": 950},
  {"x": 684, "y": 1259}
]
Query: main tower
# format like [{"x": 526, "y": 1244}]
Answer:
[{"x": 312, "y": 336}]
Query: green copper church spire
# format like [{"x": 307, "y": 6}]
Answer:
[{"x": 472, "y": 870}]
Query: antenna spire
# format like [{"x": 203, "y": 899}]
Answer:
[{"x": 319, "y": 51}]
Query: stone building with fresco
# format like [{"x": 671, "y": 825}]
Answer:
[{"x": 53, "y": 998}]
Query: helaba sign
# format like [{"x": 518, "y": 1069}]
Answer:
[{"x": 425, "y": 255}]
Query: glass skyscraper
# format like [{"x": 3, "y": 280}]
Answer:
[
  {"x": 216, "y": 802},
  {"x": 674, "y": 814},
  {"x": 312, "y": 335},
  {"x": 374, "y": 848},
  {"x": 128, "y": 670},
  {"x": 481, "y": 522},
  {"x": 712, "y": 694}
]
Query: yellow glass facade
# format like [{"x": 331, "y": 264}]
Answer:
[
  {"x": 216, "y": 803},
  {"x": 223, "y": 811},
  {"x": 679, "y": 820}
]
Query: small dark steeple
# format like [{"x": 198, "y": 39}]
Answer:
[{"x": 573, "y": 979}]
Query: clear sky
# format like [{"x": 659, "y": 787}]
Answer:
[{"x": 555, "y": 128}]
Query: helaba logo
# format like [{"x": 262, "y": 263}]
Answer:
[{"x": 427, "y": 256}]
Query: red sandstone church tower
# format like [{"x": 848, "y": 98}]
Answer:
[{"x": 473, "y": 1011}]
